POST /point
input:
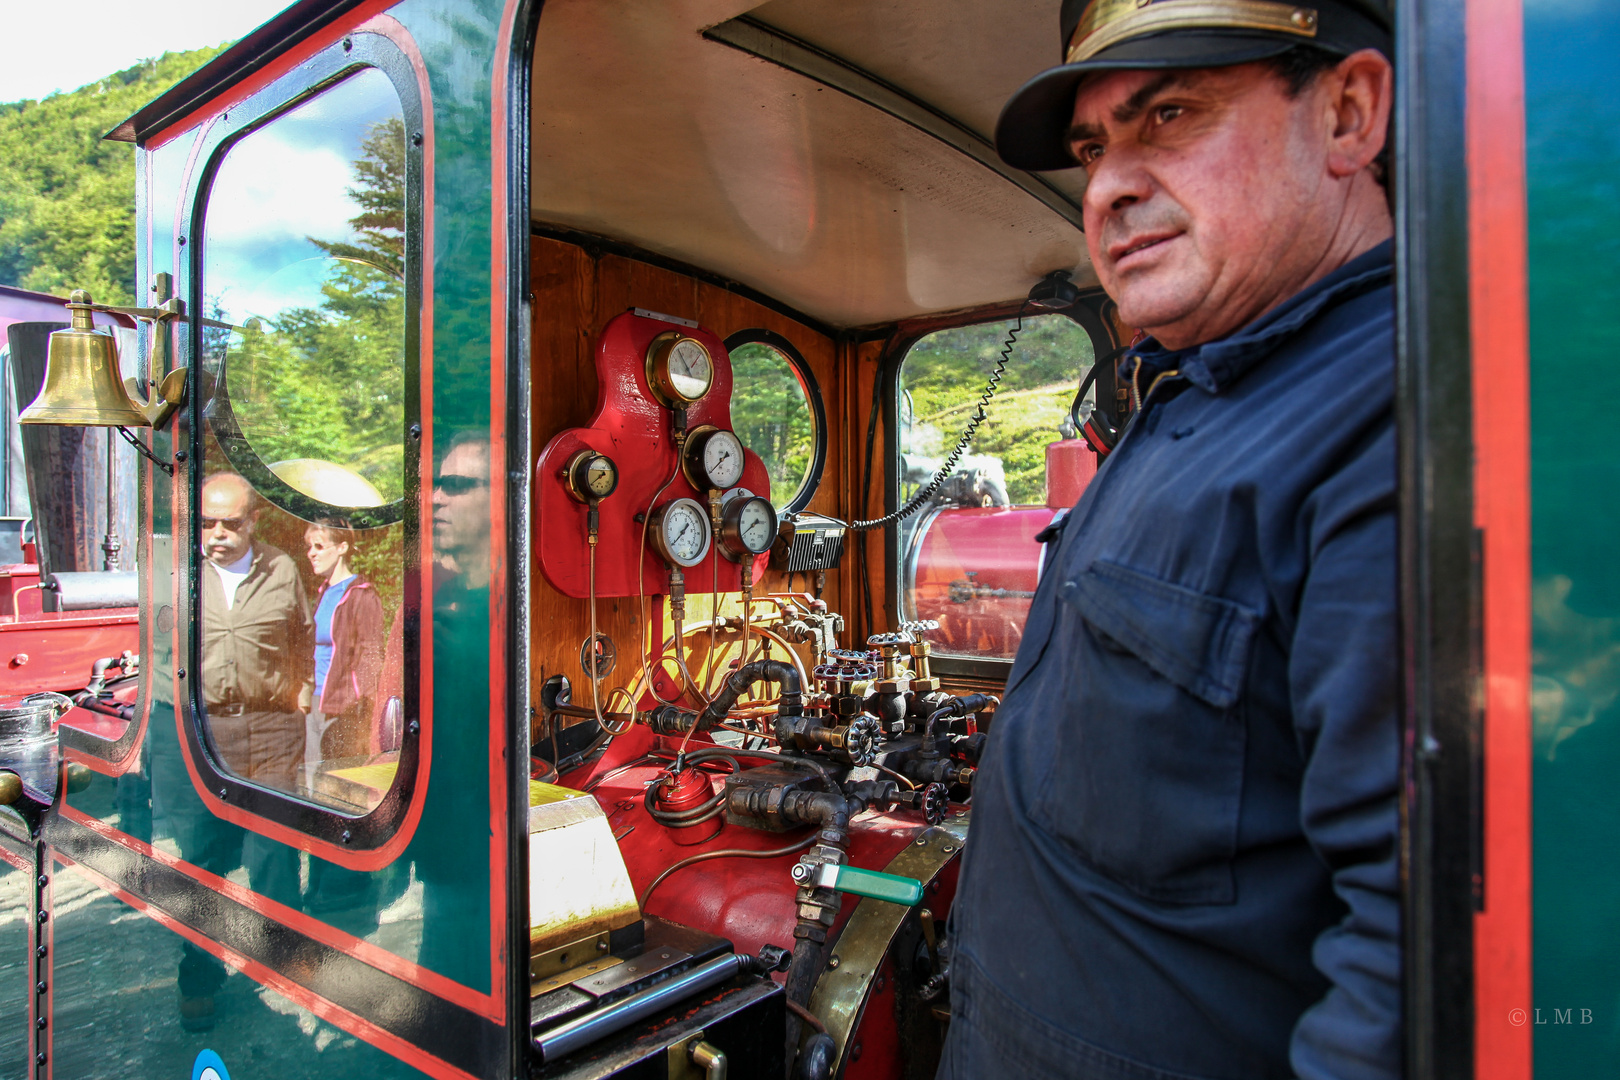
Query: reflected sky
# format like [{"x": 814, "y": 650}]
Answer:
[{"x": 286, "y": 182}]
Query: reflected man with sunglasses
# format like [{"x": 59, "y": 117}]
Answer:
[
  {"x": 257, "y": 640},
  {"x": 258, "y": 650},
  {"x": 461, "y": 509},
  {"x": 455, "y": 898}
]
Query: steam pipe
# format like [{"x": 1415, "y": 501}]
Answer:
[{"x": 777, "y": 671}]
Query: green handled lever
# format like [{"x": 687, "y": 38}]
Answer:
[{"x": 852, "y": 879}]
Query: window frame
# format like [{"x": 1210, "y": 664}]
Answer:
[
  {"x": 1095, "y": 314},
  {"x": 811, "y": 482},
  {"x": 376, "y": 828}
]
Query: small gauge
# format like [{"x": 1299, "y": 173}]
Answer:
[
  {"x": 590, "y": 476},
  {"x": 747, "y": 527},
  {"x": 679, "y": 369},
  {"x": 713, "y": 458},
  {"x": 681, "y": 531}
]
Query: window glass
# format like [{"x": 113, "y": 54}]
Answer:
[
  {"x": 772, "y": 415},
  {"x": 301, "y": 531},
  {"x": 969, "y": 556}
]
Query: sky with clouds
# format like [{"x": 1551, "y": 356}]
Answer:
[
  {"x": 286, "y": 182},
  {"x": 52, "y": 47}
]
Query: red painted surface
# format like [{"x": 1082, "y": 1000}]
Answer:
[
  {"x": 964, "y": 557},
  {"x": 1498, "y": 283},
  {"x": 635, "y": 431},
  {"x": 505, "y": 782},
  {"x": 54, "y": 650},
  {"x": 1070, "y": 465}
]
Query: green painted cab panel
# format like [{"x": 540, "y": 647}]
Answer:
[{"x": 1572, "y": 114}]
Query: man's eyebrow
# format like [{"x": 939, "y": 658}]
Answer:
[
  {"x": 1129, "y": 109},
  {"x": 1132, "y": 106}
]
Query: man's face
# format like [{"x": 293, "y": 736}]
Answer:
[
  {"x": 1205, "y": 194},
  {"x": 461, "y": 499},
  {"x": 227, "y": 521}
]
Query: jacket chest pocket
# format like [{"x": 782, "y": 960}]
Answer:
[{"x": 1147, "y": 781}]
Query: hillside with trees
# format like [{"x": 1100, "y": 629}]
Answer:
[{"x": 67, "y": 198}]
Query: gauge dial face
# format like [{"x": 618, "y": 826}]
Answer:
[
  {"x": 601, "y": 477},
  {"x": 683, "y": 532},
  {"x": 723, "y": 459},
  {"x": 679, "y": 369},
  {"x": 756, "y": 525},
  {"x": 748, "y": 527},
  {"x": 591, "y": 476},
  {"x": 690, "y": 369}
]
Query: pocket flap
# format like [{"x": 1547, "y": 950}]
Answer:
[{"x": 1197, "y": 641}]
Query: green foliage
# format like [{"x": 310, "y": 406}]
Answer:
[
  {"x": 379, "y": 175},
  {"x": 67, "y": 198},
  {"x": 770, "y": 415},
  {"x": 946, "y": 372}
]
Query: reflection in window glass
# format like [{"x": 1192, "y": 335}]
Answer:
[
  {"x": 301, "y": 607},
  {"x": 771, "y": 413},
  {"x": 304, "y": 250},
  {"x": 970, "y": 557}
]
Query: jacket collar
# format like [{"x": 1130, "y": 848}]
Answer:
[{"x": 1216, "y": 365}]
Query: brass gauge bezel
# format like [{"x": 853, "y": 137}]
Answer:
[
  {"x": 655, "y": 525},
  {"x": 659, "y": 379},
  {"x": 576, "y": 476},
  {"x": 692, "y": 458},
  {"x": 732, "y": 544}
]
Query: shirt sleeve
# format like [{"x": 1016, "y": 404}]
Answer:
[{"x": 1343, "y": 673}]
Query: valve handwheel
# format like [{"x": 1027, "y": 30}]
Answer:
[{"x": 865, "y": 733}]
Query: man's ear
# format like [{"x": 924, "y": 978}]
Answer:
[{"x": 1360, "y": 89}]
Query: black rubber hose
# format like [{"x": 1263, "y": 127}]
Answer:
[{"x": 777, "y": 671}]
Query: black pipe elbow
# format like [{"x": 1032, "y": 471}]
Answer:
[{"x": 776, "y": 671}]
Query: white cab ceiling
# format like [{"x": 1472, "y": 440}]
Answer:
[{"x": 649, "y": 134}]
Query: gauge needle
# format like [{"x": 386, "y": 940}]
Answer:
[{"x": 679, "y": 535}]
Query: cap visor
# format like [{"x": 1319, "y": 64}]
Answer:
[{"x": 1032, "y": 131}]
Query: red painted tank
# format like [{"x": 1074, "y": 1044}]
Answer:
[{"x": 974, "y": 569}]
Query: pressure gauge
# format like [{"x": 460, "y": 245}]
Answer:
[
  {"x": 747, "y": 527},
  {"x": 713, "y": 458},
  {"x": 679, "y": 369},
  {"x": 680, "y": 530},
  {"x": 590, "y": 476}
]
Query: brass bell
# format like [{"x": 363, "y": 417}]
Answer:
[{"x": 83, "y": 385}]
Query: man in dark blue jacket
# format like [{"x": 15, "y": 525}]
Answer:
[{"x": 1183, "y": 861}]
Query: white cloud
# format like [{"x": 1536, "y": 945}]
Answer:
[
  {"x": 51, "y": 47},
  {"x": 269, "y": 187}
]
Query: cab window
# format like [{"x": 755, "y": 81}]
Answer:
[
  {"x": 304, "y": 510},
  {"x": 776, "y": 410},
  {"x": 968, "y": 556}
]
